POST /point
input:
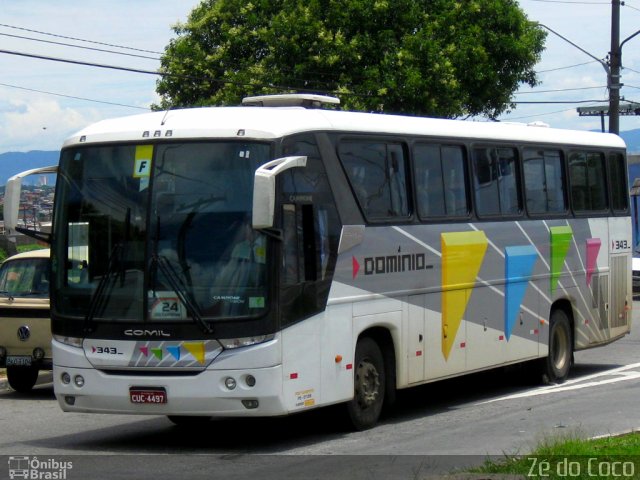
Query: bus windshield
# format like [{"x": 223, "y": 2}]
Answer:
[{"x": 159, "y": 233}]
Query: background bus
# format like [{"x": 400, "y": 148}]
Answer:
[{"x": 194, "y": 275}]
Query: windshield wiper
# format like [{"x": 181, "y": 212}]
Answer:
[
  {"x": 98, "y": 298},
  {"x": 181, "y": 290}
]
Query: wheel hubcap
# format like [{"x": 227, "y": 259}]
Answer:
[
  {"x": 367, "y": 384},
  {"x": 560, "y": 349}
]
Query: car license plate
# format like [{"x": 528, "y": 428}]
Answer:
[
  {"x": 148, "y": 395},
  {"x": 18, "y": 361}
]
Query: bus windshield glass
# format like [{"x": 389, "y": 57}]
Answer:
[{"x": 160, "y": 233}]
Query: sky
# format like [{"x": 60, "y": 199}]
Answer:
[{"x": 38, "y": 109}]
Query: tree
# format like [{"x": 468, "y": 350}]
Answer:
[{"x": 444, "y": 58}]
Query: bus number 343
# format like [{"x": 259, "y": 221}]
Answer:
[{"x": 619, "y": 245}]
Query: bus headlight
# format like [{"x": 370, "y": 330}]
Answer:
[
  {"x": 65, "y": 378},
  {"x": 71, "y": 341},
  {"x": 79, "y": 381},
  {"x": 229, "y": 343},
  {"x": 230, "y": 383}
]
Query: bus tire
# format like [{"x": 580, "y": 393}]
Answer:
[
  {"x": 22, "y": 379},
  {"x": 556, "y": 366},
  {"x": 368, "y": 385}
]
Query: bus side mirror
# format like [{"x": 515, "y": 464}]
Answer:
[
  {"x": 264, "y": 188},
  {"x": 12, "y": 193}
]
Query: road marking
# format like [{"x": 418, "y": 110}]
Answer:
[{"x": 620, "y": 374}]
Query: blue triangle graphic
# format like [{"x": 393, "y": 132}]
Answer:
[
  {"x": 175, "y": 351},
  {"x": 519, "y": 263}
]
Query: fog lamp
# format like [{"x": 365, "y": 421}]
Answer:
[
  {"x": 250, "y": 404},
  {"x": 78, "y": 380},
  {"x": 65, "y": 378},
  {"x": 230, "y": 383}
]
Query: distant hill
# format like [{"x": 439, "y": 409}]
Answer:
[
  {"x": 632, "y": 139},
  {"x": 16, "y": 162}
]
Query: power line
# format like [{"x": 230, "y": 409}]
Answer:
[
  {"x": 165, "y": 74},
  {"x": 569, "y": 1},
  {"x": 78, "y": 46},
  {"x": 564, "y": 68},
  {"x": 79, "y": 62},
  {"x": 78, "y": 39},
  {"x": 541, "y": 102},
  {"x": 626, "y": 4},
  {"x": 538, "y": 115},
  {"x": 560, "y": 90},
  {"x": 216, "y": 80},
  {"x": 71, "y": 96}
]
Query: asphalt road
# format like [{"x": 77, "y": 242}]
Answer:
[{"x": 433, "y": 428}]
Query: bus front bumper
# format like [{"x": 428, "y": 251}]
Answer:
[{"x": 206, "y": 393}]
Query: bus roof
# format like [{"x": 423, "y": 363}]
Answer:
[{"x": 273, "y": 122}]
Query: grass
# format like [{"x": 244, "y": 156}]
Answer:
[{"x": 573, "y": 457}]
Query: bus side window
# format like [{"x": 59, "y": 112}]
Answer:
[
  {"x": 618, "y": 178},
  {"x": 440, "y": 177},
  {"x": 454, "y": 177},
  {"x": 378, "y": 176},
  {"x": 588, "y": 182},
  {"x": 496, "y": 181},
  {"x": 544, "y": 181},
  {"x": 428, "y": 178}
]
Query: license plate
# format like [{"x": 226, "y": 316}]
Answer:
[
  {"x": 148, "y": 395},
  {"x": 18, "y": 361}
]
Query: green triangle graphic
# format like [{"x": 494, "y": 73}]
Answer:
[
  {"x": 560, "y": 242},
  {"x": 157, "y": 352}
]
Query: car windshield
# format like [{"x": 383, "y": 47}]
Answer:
[
  {"x": 26, "y": 277},
  {"x": 160, "y": 233}
]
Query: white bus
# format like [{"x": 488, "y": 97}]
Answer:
[{"x": 269, "y": 258}]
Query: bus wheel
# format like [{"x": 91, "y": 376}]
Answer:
[
  {"x": 555, "y": 368},
  {"x": 368, "y": 385},
  {"x": 22, "y": 379},
  {"x": 187, "y": 420}
]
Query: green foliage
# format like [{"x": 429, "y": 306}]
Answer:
[
  {"x": 20, "y": 248},
  {"x": 425, "y": 57},
  {"x": 573, "y": 457},
  {"x": 30, "y": 247}
]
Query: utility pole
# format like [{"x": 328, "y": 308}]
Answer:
[
  {"x": 612, "y": 67},
  {"x": 615, "y": 62}
]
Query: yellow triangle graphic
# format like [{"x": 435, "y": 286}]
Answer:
[
  {"x": 197, "y": 350},
  {"x": 462, "y": 256}
]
